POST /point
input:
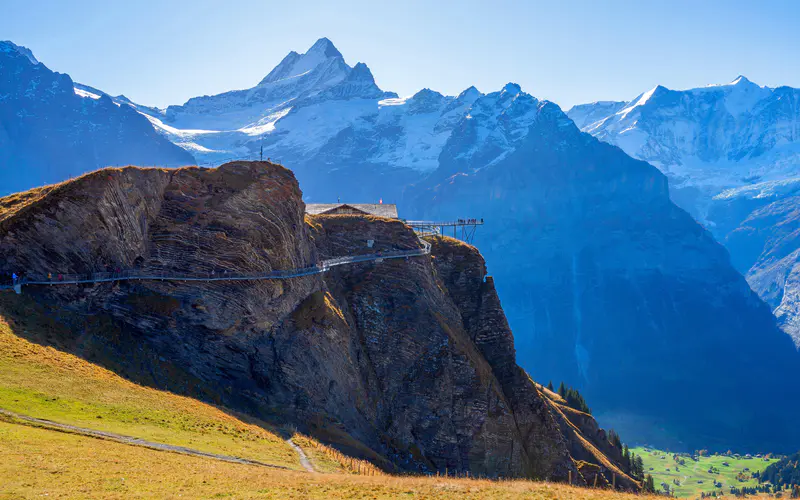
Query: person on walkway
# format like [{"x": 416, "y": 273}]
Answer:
[
  {"x": 49, "y": 276},
  {"x": 14, "y": 278}
]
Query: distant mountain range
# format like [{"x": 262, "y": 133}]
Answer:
[
  {"x": 732, "y": 154},
  {"x": 49, "y": 133},
  {"x": 607, "y": 284}
]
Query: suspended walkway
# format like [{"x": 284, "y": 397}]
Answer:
[
  {"x": 144, "y": 275},
  {"x": 463, "y": 229}
]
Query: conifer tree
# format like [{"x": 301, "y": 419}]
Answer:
[
  {"x": 649, "y": 484},
  {"x": 638, "y": 467}
]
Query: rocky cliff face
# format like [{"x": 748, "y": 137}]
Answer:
[
  {"x": 759, "y": 226},
  {"x": 410, "y": 363}
]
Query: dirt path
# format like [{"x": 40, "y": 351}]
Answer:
[
  {"x": 303, "y": 458},
  {"x": 17, "y": 418}
]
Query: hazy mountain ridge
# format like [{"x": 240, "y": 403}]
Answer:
[
  {"x": 732, "y": 153},
  {"x": 48, "y": 133},
  {"x": 608, "y": 284}
]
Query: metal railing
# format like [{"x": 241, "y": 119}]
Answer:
[{"x": 139, "y": 275}]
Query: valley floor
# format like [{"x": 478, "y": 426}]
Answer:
[{"x": 694, "y": 478}]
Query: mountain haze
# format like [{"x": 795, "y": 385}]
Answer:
[
  {"x": 732, "y": 154},
  {"x": 49, "y": 133}
]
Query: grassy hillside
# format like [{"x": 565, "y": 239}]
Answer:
[
  {"x": 694, "y": 477},
  {"x": 45, "y": 383},
  {"x": 37, "y": 462}
]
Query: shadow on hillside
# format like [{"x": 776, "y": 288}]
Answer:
[{"x": 100, "y": 339}]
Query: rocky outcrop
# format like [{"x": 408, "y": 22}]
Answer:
[{"x": 407, "y": 362}]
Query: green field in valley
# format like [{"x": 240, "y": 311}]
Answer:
[{"x": 692, "y": 477}]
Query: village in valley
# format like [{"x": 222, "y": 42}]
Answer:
[{"x": 702, "y": 475}]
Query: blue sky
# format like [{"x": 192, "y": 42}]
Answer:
[{"x": 166, "y": 51}]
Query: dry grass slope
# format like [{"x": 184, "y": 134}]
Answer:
[
  {"x": 43, "y": 382},
  {"x": 38, "y": 463}
]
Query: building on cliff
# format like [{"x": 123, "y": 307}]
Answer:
[{"x": 387, "y": 210}]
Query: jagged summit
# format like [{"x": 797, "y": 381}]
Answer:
[
  {"x": 511, "y": 88},
  {"x": 324, "y": 46},
  {"x": 361, "y": 72},
  {"x": 427, "y": 93},
  {"x": 8, "y": 46},
  {"x": 294, "y": 64},
  {"x": 359, "y": 83},
  {"x": 741, "y": 80},
  {"x": 469, "y": 93}
]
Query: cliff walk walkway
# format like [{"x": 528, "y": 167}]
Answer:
[{"x": 142, "y": 275}]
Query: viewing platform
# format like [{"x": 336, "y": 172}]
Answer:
[{"x": 463, "y": 229}]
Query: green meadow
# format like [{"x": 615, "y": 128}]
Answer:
[{"x": 703, "y": 475}]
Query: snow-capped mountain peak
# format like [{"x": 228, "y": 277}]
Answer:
[
  {"x": 361, "y": 73},
  {"x": 714, "y": 137},
  {"x": 325, "y": 47},
  {"x": 642, "y": 100},
  {"x": 319, "y": 73},
  {"x": 510, "y": 89},
  {"x": 425, "y": 101},
  {"x": 469, "y": 94},
  {"x": 741, "y": 80},
  {"x": 295, "y": 65}
]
